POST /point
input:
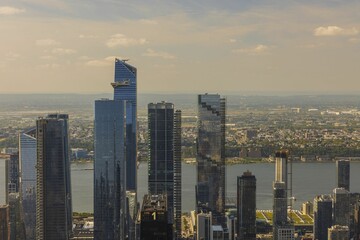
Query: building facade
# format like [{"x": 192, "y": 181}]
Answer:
[
  {"x": 343, "y": 174},
  {"x": 4, "y": 222},
  {"x": 341, "y": 207},
  {"x": 338, "y": 232},
  {"x": 109, "y": 170},
  {"x": 27, "y": 161},
  {"x": 210, "y": 158},
  {"x": 125, "y": 88},
  {"x": 204, "y": 226},
  {"x": 246, "y": 206},
  {"x": 279, "y": 208},
  {"x": 154, "y": 219},
  {"x": 177, "y": 174},
  {"x": 164, "y": 134},
  {"x": 322, "y": 216},
  {"x": 53, "y": 186}
]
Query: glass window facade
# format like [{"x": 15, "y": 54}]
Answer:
[
  {"x": 27, "y": 160},
  {"x": 53, "y": 192},
  {"x": 210, "y": 189},
  {"x": 109, "y": 170},
  {"x": 125, "y": 88}
]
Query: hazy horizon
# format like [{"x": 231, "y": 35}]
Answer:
[{"x": 180, "y": 46}]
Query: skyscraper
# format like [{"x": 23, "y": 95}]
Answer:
[
  {"x": 125, "y": 88},
  {"x": 177, "y": 173},
  {"x": 281, "y": 168},
  {"x": 322, "y": 216},
  {"x": 210, "y": 188},
  {"x": 343, "y": 174},
  {"x": 27, "y": 160},
  {"x": 109, "y": 170},
  {"x": 13, "y": 174},
  {"x": 53, "y": 186},
  {"x": 154, "y": 219},
  {"x": 282, "y": 228},
  {"x": 164, "y": 130},
  {"x": 246, "y": 206},
  {"x": 341, "y": 207}
]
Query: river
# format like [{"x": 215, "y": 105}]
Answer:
[{"x": 309, "y": 180}]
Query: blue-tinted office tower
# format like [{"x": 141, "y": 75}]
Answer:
[
  {"x": 210, "y": 188},
  {"x": 109, "y": 170},
  {"x": 27, "y": 161},
  {"x": 125, "y": 89}
]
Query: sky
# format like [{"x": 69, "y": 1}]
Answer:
[{"x": 69, "y": 46}]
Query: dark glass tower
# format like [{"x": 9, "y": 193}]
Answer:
[
  {"x": 125, "y": 88},
  {"x": 210, "y": 188},
  {"x": 164, "y": 130},
  {"x": 109, "y": 170},
  {"x": 246, "y": 206},
  {"x": 343, "y": 174},
  {"x": 53, "y": 191},
  {"x": 27, "y": 160},
  {"x": 341, "y": 207},
  {"x": 154, "y": 219},
  {"x": 322, "y": 216}
]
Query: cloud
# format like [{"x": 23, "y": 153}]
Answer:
[
  {"x": 10, "y": 10},
  {"x": 87, "y": 36},
  {"x": 122, "y": 40},
  {"x": 334, "y": 31},
  {"x": 63, "y": 51},
  {"x": 257, "y": 50},
  {"x": 152, "y": 53},
  {"x": 232, "y": 40},
  {"x": 46, "y": 42},
  {"x": 102, "y": 62}
]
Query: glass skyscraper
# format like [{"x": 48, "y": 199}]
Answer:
[
  {"x": 246, "y": 206},
  {"x": 109, "y": 170},
  {"x": 164, "y": 131},
  {"x": 27, "y": 161},
  {"x": 125, "y": 88},
  {"x": 210, "y": 188},
  {"x": 53, "y": 186}
]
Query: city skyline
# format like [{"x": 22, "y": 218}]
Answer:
[{"x": 255, "y": 46}]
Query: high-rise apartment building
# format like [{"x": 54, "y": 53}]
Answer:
[
  {"x": 343, "y": 174},
  {"x": 322, "y": 216},
  {"x": 154, "y": 219},
  {"x": 210, "y": 187},
  {"x": 109, "y": 170},
  {"x": 164, "y": 130},
  {"x": 27, "y": 161},
  {"x": 125, "y": 88},
  {"x": 53, "y": 186},
  {"x": 341, "y": 207},
  {"x": 246, "y": 206}
]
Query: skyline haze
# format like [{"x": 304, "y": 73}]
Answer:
[{"x": 258, "y": 46}]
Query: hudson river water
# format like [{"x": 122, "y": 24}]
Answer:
[{"x": 309, "y": 180}]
